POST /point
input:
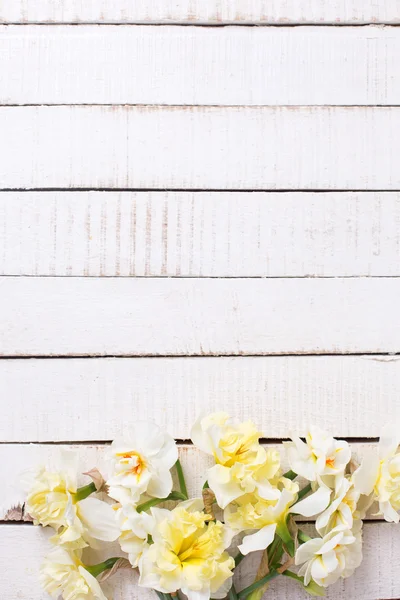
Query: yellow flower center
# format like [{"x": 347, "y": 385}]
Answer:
[{"x": 139, "y": 464}]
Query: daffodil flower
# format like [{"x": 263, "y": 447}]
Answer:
[
  {"x": 136, "y": 530},
  {"x": 342, "y": 510},
  {"x": 325, "y": 560},
  {"x": 263, "y": 518},
  {"x": 53, "y": 500},
  {"x": 63, "y": 574},
  {"x": 142, "y": 464},
  {"x": 242, "y": 466},
  {"x": 320, "y": 458},
  {"x": 379, "y": 475},
  {"x": 188, "y": 553}
]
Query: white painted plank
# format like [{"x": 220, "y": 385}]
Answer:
[
  {"x": 200, "y": 11},
  {"x": 136, "y": 317},
  {"x": 22, "y": 548},
  {"x": 200, "y": 234},
  {"x": 200, "y": 147},
  {"x": 15, "y": 459},
  {"x": 99, "y": 399},
  {"x": 199, "y": 66}
]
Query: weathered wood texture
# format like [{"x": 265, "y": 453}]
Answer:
[
  {"x": 200, "y": 66},
  {"x": 100, "y": 399},
  {"x": 15, "y": 459},
  {"x": 121, "y": 316},
  {"x": 200, "y": 11},
  {"x": 23, "y": 547},
  {"x": 200, "y": 147},
  {"x": 200, "y": 234}
]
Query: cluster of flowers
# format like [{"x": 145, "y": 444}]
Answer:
[{"x": 192, "y": 546}]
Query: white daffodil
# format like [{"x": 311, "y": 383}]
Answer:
[
  {"x": 52, "y": 501},
  {"x": 379, "y": 475},
  {"x": 135, "y": 531},
  {"x": 63, "y": 574},
  {"x": 188, "y": 553},
  {"x": 264, "y": 518},
  {"x": 320, "y": 457},
  {"x": 142, "y": 464},
  {"x": 342, "y": 510},
  {"x": 243, "y": 466},
  {"x": 325, "y": 560}
]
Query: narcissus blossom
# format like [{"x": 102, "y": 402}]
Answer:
[
  {"x": 51, "y": 501},
  {"x": 135, "y": 531},
  {"x": 342, "y": 510},
  {"x": 188, "y": 553},
  {"x": 142, "y": 464},
  {"x": 325, "y": 560},
  {"x": 320, "y": 457},
  {"x": 243, "y": 466},
  {"x": 267, "y": 517},
  {"x": 63, "y": 575},
  {"x": 379, "y": 475}
]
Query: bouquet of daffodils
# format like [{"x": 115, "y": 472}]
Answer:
[{"x": 190, "y": 548}]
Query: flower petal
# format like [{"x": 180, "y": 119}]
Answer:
[
  {"x": 259, "y": 540},
  {"x": 225, "y": 490},
  {"x": 93, "y": 584},
  {"x": 389, "y": 440},
  {"x": 99, "y": 518},
  {"x": 366, "y": 475},
  {"x": 313, "y": 504}
]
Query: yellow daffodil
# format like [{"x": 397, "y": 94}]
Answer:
[
  {"x": 188, "y": 553},
  {"x": 325, "y": 560},
  {"x": 63, "y": 574},
  {"x": 251, "y": 513},
  {"x": 379, "y": 475},
  {"x": 52, "y": 501},
  {"x": 320, "y": 458},
  {"x": 242, "y": 466},
  {"x": 142, "y": 464},
  {"x": 266, "y": 517}
]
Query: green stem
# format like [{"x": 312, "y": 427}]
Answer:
[
  {"x": 284, "y": 533},
  {"x": 275, "y": 551},
  {"x": 302, "y": 537},
  {"x": 108, "y": 564},
  {"x": 181, "y": 478},
  {"x": 232, "y": 594},
  {"x": 293, "y": 576},
  {"x": 154, "y": 501},
  {"x": 303, "y": 492},
  {"x": 257, "y": 584},
  {"x": 313, "y": 589},
  {"x": 206, "y": 486},
  {"x": 85, "y": 491},
  {"x": 290, "y": 475},
  {"x": 238, "y": 559}
]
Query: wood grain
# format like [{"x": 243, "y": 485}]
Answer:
[
  {"x": 200, "y": 148},
  {"x": 15, "y": 459},
  {"x": 63, "y": 317},
  {"x": 200, "y": 66},
  {"x": 200, "y": 234},
  {"x": 99, "y": 399},
  {"x": 23, "y": 548},
  {"x": 200, "y": 11}
]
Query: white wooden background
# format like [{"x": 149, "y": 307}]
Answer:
[{"x": 199, "y": 207}]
